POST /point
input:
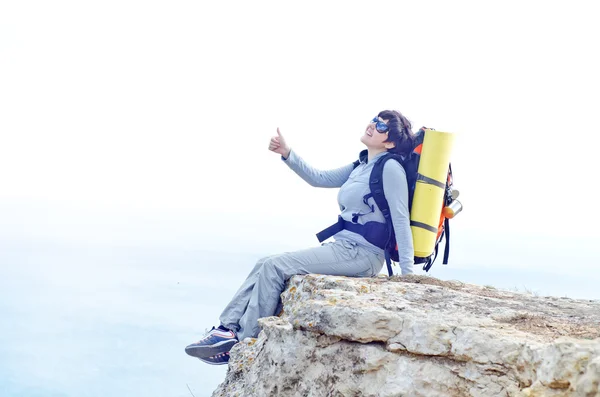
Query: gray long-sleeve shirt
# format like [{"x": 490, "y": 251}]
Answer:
[{"x": 354, "y": 185}]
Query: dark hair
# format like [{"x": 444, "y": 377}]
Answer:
[{"x": 400, "y": 132}]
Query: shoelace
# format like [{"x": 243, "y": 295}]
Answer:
[{"x": 206, "y": 331}]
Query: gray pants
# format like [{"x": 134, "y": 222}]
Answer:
[{"x": 259, "y": 295}]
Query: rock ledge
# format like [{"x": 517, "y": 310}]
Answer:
[{"x": 418, "y": 336}]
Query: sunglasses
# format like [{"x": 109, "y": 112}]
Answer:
[{"x": 380, "y": 126}]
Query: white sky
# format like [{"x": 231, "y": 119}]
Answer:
[{"x": 163, "y": 110}]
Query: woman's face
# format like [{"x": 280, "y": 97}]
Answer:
[{"x": 373, "y": 138}]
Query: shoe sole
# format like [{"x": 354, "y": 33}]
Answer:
[
  {"x": 211, "y": 363},
  {"x": 212, "y": 350}
]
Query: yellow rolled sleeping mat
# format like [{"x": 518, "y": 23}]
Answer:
[{"x": 428, "y": 197}]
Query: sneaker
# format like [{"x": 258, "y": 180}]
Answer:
[
  {"x": 215, "y": 342},
  {"x": 219, "y": 359}
]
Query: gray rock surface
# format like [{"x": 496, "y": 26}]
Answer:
[{"x": 418, "y": 336}]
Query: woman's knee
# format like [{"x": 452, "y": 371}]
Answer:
[
  {"x": 261, "y": 262},
  {"x": 272, "y": 267}
]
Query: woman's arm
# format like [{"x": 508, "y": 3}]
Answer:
[
  {"x": 395, "y": 189},
  {"x": 315, "y": 177}
]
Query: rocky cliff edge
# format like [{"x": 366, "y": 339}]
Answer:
[{"x": 418, "y": 336}]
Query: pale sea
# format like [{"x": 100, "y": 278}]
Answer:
[{"x": 87, "y": 320}]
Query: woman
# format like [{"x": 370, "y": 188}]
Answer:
[{"x": 349, "y": 255}]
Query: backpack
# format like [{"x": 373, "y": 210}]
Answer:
[
  {"x": 411, "y": 166},
  {"x": 382, "y": 235}
]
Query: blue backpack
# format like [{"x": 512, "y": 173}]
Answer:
[{"x": 382, "y": 235}]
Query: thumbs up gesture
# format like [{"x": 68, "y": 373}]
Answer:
[{"x": 278, "y": 145}]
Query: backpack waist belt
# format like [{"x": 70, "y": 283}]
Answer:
[{"x": 375, "y": 233}]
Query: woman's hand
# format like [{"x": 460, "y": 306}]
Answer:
[{"x": 278, "y": 145}]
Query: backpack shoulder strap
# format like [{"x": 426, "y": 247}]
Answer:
[
  {"x": 376, "y": 184},
  {"x": 376, "y": 187}
]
